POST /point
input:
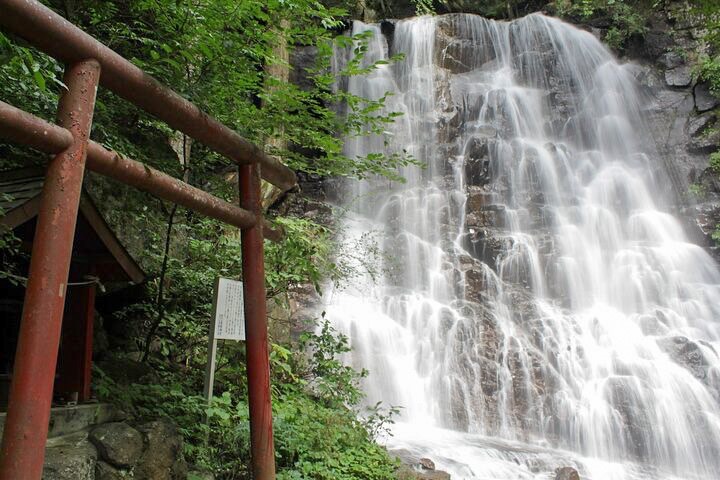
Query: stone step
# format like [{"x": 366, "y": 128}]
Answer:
[{"x": 71, "y": 419}]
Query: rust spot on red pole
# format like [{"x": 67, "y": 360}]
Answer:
[
  {"x": 26, "y": 426},
  {"x": 258, "y": 363},
  {"x": 27, "y": 129}
]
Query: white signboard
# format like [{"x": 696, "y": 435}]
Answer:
[
  {"x": 227, "y": 323},
  {"x": 229, "y": 314}
]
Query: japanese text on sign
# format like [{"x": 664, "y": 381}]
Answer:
[{"x": 229, "y": 313}]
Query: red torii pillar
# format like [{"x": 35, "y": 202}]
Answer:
[
  {"x": 256, "y": 347},
  {"x": 26, "y": 427}
]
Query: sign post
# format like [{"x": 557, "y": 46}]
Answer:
[{"x": 226, "y": 323}]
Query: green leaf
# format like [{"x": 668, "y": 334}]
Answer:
[{"x": 39, "y": 80}]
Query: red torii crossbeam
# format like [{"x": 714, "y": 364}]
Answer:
[{"x": 88, "y": 62}]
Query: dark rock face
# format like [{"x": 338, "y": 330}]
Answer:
[
  {"x": 706, "y": 140},
  {"x": 478, "y": 200},
  {"x": 704, "y": 100},
  {"x": 434, "y": 475},
  {"x": 687, "y": 354},
  {"x": 477, "y": 162},
  {"x": 699, "y": 125},
  {"x": 623, "y": 392},
  {"x": 427, "y": 464},
  {"x": 566, "y": 473},
  {"x": 679, "y": 76},
  {"x": 677, "y": 72},
  {"x": 456, "y": 49},
  {"x": 680, "y": 112},
  {"x": 303, "y": 60},
  {"x": 114, "y": 451},
  {"x": 105, "y": 471},
  {"x": 74, "y": 460},
  {"x": 118, "y": 443},
  {"x": 162, "y": 459},
  {"x": 486, "y": 244},
  {"x": 417, "y": 468},
  {"x": 475, "y": 284}
]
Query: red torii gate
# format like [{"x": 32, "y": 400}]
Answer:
[{"x": 26, "y": 426}]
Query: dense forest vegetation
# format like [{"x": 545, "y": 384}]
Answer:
[
  {"x": 231, "y": 58},
  {"x": 222, "y": 55}
]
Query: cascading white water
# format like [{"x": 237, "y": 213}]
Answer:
[{"x": 540, "y": 307}]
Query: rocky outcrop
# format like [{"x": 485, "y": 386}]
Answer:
[
  {"x": 566, "y": 473},
  {"x": 624, "y": 393},
  {"x": 118, "y": 443},
  {"x": 414, "y": 467},
  {"x": 105, "y": 471},
  {"x": 681, "y": 111},
  {"x": 687, "y": 354},
  {"x": 71, "y": 458},
  {"x": 704, "y": 100},
  {"x": 162, "y": 458},
  {"x": 117, "y": 450}
]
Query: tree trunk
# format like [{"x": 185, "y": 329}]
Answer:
[{"x": 181, "y": 144}]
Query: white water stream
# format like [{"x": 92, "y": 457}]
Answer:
[{"x": 540, "y": 307}]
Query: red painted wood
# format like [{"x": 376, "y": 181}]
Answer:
[
  {"x": 256, "y": 330},
  {"x": 76, "y": 344},
  {"x": 23, "y": 445}
]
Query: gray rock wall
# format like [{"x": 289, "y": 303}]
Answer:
[
  {"x": 682, "y": 113},
  {"x": 117, "y": 450}
]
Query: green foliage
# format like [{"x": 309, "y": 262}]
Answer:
[
  {"x": 424, "y": 7},
  {"x": 217, "y": 54},
  {"x": 10, "y": 252},
  {"x": 308, "y": 254},
  {"x": 697, "y": 191},
  {"x": 32, "y": 81},
  {"x": 709, "y": 12},
  {"x": 228, "y": 57},
  {"x": 334, "y": 383},
  {"x": 716, "y": 235},
  {"x": 317, "y": 442},
  {"x": 626, "y": 18},
  {"x": 216, "y": 435},
  {"x": 715, "y": 162},
  {"x": 304, "y": 255},
  {"x": 30, "y": 75},
  {"x": 318, "y": 433},
  {"x": 220, "y": 54},
  {"x": 710, "y": 72},
  {"x": 200, "y": 251}
]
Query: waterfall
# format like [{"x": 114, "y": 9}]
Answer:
[{"x": 538, "y": 306}]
